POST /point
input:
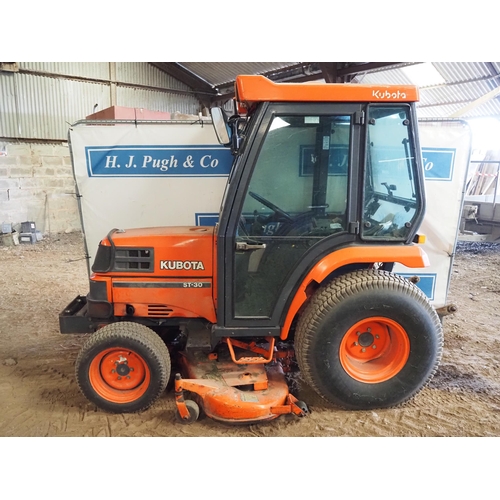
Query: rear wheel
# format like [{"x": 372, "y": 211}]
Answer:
[
  {"x": 369, "y": 339},
  {"x": 123, "y": 367}
]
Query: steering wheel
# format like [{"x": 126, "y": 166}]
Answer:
[{"x": 270, "y": 205}]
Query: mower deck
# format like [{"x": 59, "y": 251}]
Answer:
[{"x": 233, "y": 393}]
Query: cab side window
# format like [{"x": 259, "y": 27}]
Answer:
[{"x": 390, "y": 204}]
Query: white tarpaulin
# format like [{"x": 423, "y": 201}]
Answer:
[
  {"x": 445, "y": 152},
  {"x": 147, "y": 175},
  {"x": 174, "y": 173}
]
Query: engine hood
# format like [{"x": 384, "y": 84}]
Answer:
[{"x": 182, "y": 251}]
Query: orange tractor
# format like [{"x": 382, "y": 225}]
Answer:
[{"x": 325, "y": 194}]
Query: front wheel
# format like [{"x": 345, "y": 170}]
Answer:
[
  {"x": 123, "y": 367},
  {"x": 368, "y": 339}
]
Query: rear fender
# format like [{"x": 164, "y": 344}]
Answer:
[{"x": 410, "y": 256}]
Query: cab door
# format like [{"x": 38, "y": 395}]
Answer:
[{"x": 292, "y": 199}]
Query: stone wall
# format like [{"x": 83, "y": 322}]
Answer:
[{"x": 37, "y": 184}]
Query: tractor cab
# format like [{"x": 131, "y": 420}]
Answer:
[{"x": 309, "y": 178}]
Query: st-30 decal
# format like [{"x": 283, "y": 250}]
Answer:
[{"x": 162, "y": 284}]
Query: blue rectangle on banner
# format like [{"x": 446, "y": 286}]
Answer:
[
  {"x": 154, "y": 161},
  {"x": 438, "y": 163},
  {"x": 206, "y": 219},
  {"x": 426, "y": 283}
]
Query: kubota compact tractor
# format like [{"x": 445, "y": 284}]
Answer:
[{"x": 325, "y": 195}]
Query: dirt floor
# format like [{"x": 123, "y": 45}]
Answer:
[{"x": 39, "y": 396}]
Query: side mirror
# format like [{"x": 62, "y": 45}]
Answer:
[{"x": 221, "y": 127}]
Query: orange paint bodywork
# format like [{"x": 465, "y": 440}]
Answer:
[
  {"x": 410, "y": 256},
  {"x": 257, "y": 88},
  {"x": 171, "y": 244},
  {"x": 192, "y": 293},
  {"x": 218, "y": 385},
  {"x": 156, "y": 299},
  {"x": 180, "y": 283}
]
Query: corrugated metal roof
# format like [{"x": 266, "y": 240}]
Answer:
[
  {"x": 456, "y": 93},
  {"x": 42, "y": 99},
  {"x": 221, "y": 73},
  {"x": 8, "y": 107},
  {"x": 157, "y": 101},
  {"x": 489, "y": 109},
  {"x": 464, "y": 84},
  {"x": 36, "y": 103},
  {"x": 146, "y": 74},
  {"x": 98, "y": 70},
  {"x": 389, "y": 77},
  {"x": 41, "y": 107},
  {"x": 459, "y": 72}
]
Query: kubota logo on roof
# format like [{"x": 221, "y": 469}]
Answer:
[{"x": 380, "y": 94}]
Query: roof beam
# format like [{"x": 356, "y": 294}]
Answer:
[
  {"x": 334, "y": 72},
  {"x": 202, "y": 89},
  {"x": 474, "y": 104},
  {"x": 367, "y": 68},
  {"x": 461, "y": 82},
  {"x": 329, "y": 71},
  {"x": 185, "y": 76},
  {"x": 219, "y": 100},
  {"x": 303, "y": 78},
  {"x": 303, "y": 72}
]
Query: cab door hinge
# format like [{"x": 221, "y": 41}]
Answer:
[
  {"x": 354, "y": 227},
  {"x": 359, "y": 118}
]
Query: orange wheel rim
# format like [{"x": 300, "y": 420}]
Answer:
[
  {"x": 374, "y": 350},
  {"x": 119, "y": 375}
]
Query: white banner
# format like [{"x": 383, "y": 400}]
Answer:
[
  {"x": 147, "y": 175},
  {"x": 174, "y": 173},
  {"x": 445, "y": 151}
]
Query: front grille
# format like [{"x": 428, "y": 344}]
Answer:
[
  {"x": 159, "y": 310},
  {"x": 134, "y": 260}
]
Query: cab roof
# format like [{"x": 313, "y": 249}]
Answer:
[{"x": 256, "y": 88}]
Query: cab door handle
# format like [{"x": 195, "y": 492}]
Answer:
[{"x": 243, "y": 245}]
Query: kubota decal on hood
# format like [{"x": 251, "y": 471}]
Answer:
[{"x": 187, "y": 265}]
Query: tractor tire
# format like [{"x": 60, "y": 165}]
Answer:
[
  {"x": 123, "y": 367},
  {"x": 368, "y": 339}
]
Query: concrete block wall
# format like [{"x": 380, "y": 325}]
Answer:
[{"x": 37, "y": 184}]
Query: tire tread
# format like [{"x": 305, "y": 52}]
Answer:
[
  {"x": 139, "y": 334},
  {"x": 333, "y": 293}
]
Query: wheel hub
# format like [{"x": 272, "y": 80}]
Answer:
[
  {"x": 374, "y": 349},
  {"x": 122, "y": 369},
  {"x": 366, "y": 339}
]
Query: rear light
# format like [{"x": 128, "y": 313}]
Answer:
[{"x": 420, "y": 239}]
